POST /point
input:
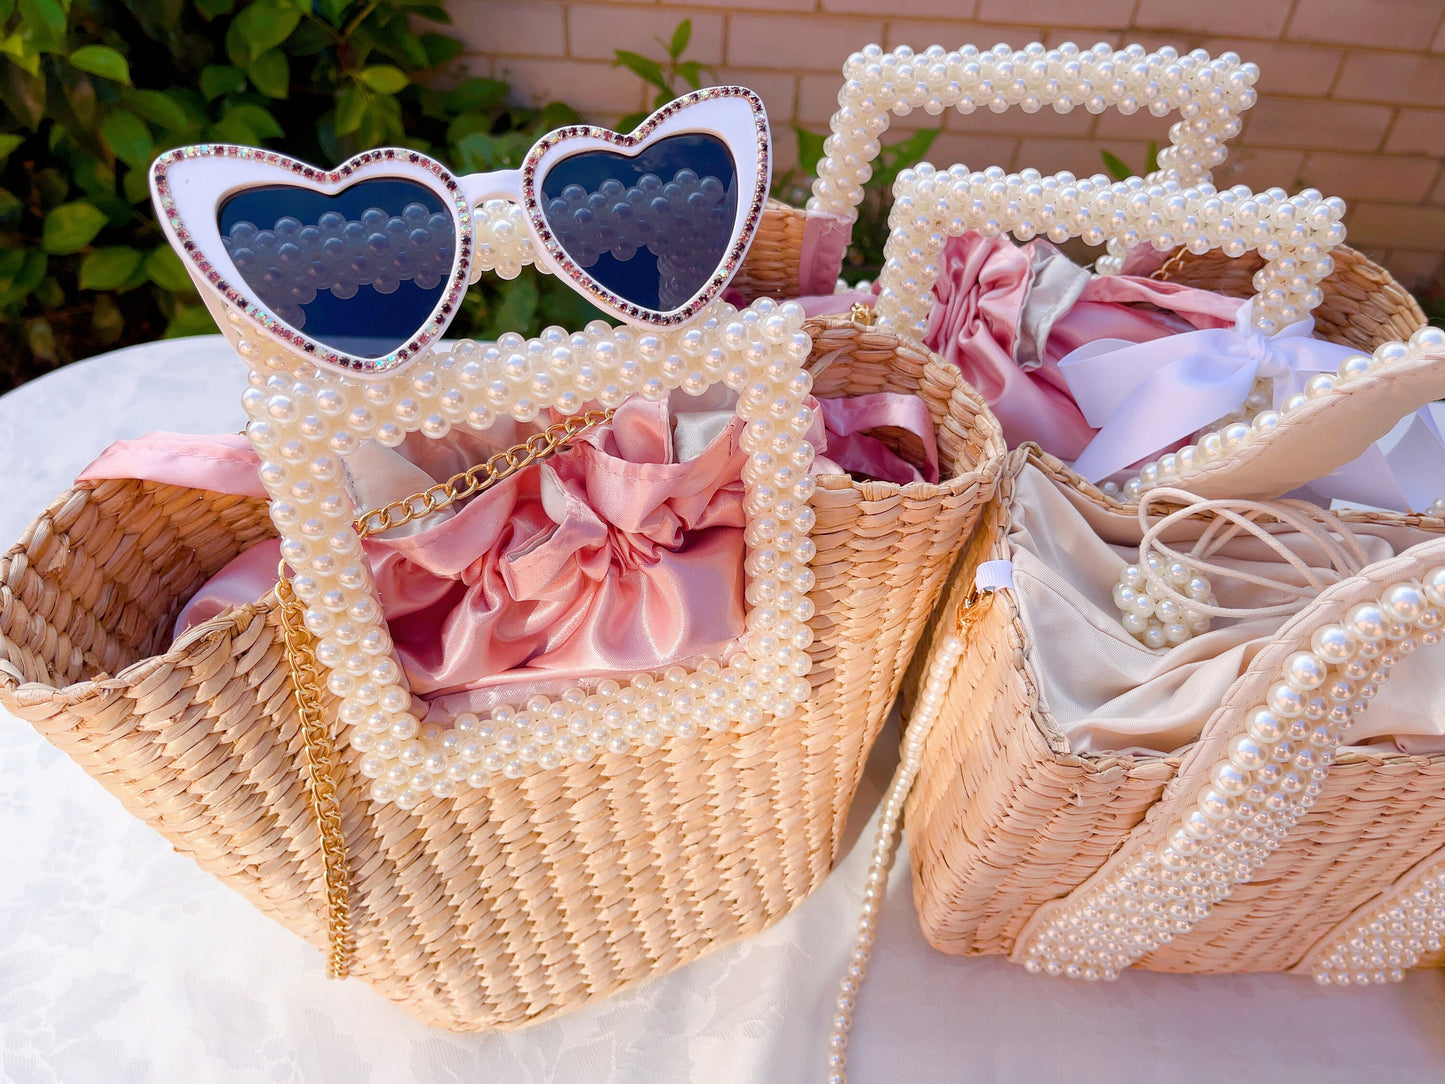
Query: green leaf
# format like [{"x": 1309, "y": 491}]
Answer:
[
  {"x": 8, "y": 142},
  {"x": 810, "y": 149},
  {"x": 209, "y": 9},
  {"x": 165, "y": 269},
  {"x": 27, "y": 272},
  {"x": 18, "y": 48},
  {"x": 518, "y": 307},
  {"x": 70, "y": 227},
  {"x": 128, "y": 138},
  {"x": 136, "y": 186},
  {"x": 1151, "y": 156},
  {"x": 896, "y": 157},
  {"x": 1117, "y": 169},
  {"x": 332, "y": 10},
  {"x": 350, "y": 109},
  {"x": 680, "y": 37},
  {"x": 247, "y": 123},
  {"x": 476, "y": 153},
  {"x": 556, "y": 115},
  {"x": 271, "y": 74},
  {"x": 475, "y": 95},
  {"x": 440, "y": 48},
  {"x": 106, "y": 320},
  {"x": 190, "y": 320},
  {"x": 107, "y": 268},
  {"x": 218, "y": 79},
  {"x": 383, "y": 78},
  {"x": 102, "y": 61},
  {"x": 45, "y": 21},
  {"x": 7, "y": 9},
  {"x": 266, "y": 24},
  {"x": 690, "y": 71},
  {"x": 650, "y": 71},
  {"x": 49, "y": 294},
  {"x": 10, "y": 207},
  {"x": 40, "y": 338},
  {"x": 157, "y": 107},
  {"x": 24, "y": 94}
]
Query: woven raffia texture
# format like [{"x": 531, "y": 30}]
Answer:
[
  {"x": 1003, "y": 818},
  {"x": 773, "y": 266},
  {"x": 1363, "y": 306},
  {"x": 512, "y": 903}
]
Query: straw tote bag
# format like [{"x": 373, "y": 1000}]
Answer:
[
  {"x": 554, "y": 880},
  {"x": 1085, "y": 863}
]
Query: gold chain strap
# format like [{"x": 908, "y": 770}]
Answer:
[
  {"x": 321, "y": 774},
  {"x": 483, "y": 476},
  {"x": 322, "y": 768}
]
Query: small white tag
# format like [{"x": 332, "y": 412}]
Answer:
[{"x": 994, "y": 576}]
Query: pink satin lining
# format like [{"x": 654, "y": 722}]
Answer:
[
  {"x": 979, "y": 297},
  {"x": 607, "y": 558},
  {"x": 820, "y": 260}
]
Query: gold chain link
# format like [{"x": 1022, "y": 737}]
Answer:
[
  {"x": 483, "y": 476},
  {"x": 321, "y": 774},
  {"x": 1169, "y": 266},
  {"x": 322, "y": 768}
]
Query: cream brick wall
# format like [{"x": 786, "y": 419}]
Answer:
[{"x": 1352, "y": 92}]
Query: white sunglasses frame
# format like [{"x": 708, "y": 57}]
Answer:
[{"x": 187, "y": 191}]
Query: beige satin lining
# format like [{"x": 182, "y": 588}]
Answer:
[{"x": 1109, "y": 693}]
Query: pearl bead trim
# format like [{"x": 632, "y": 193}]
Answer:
[
  {"x": 1218, "y": 445},
  {"x": 305, "y": 421},
  {"x": 1293, "y": 233},
  {"x": 925, "y": 713},
  {"x": 1207, "y": 93},
  {"x": 1274, "y": 772},
  {"x": 1389, "y": 937}
]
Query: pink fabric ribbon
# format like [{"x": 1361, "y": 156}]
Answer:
[
  {"x": 610, "y": 557},
  {"x": 983, "y": 287}
]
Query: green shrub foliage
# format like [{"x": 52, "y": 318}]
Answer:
[{"x": 92, "y": 90}]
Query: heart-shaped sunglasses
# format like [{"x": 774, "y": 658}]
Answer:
[{"x": 649, "y": 226}]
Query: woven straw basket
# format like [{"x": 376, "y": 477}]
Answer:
[
  {"x": 773, "y": 267},
  {"x": 513, "y": 903},
  {"x": 1003, "y": 819}
]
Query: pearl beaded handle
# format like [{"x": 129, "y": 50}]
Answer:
[
  {"x": 1294, "y": 234},
  {"x": 1207, "y": 92},
  {"x": 306, "y": 419},
  {"x": 1242, "y": 789}
]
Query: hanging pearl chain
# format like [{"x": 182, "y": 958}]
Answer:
[
  {"x": 1217, "y": 446},
  {"x": 1273, "y": 774},
  {"x": 1380, "y": 944},
  {"x": 305, "y": 421},
  {"x": 925, "y": 713},
  {"x": 1293, "y": 233},
  {"x": 1208, "y": 94}
]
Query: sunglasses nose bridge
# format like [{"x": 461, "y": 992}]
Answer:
[{"x": 501, "y": 184}]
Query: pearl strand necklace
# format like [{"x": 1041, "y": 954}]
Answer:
[
  {"x": 930, "y": 702},
  {"x": 1207, "y": 93},
  {"x": 1274, "y": 772},
  {"x": 306, "y": 420}
]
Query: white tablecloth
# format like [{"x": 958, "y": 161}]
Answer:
[{"x": 121, "y": 961}]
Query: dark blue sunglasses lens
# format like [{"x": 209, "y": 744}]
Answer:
[
  {"x": 359, "y": 272},
  {"x": 652, "y": 228}
]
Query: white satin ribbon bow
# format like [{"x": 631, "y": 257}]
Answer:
[{"x": 1143, "y": 397}]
